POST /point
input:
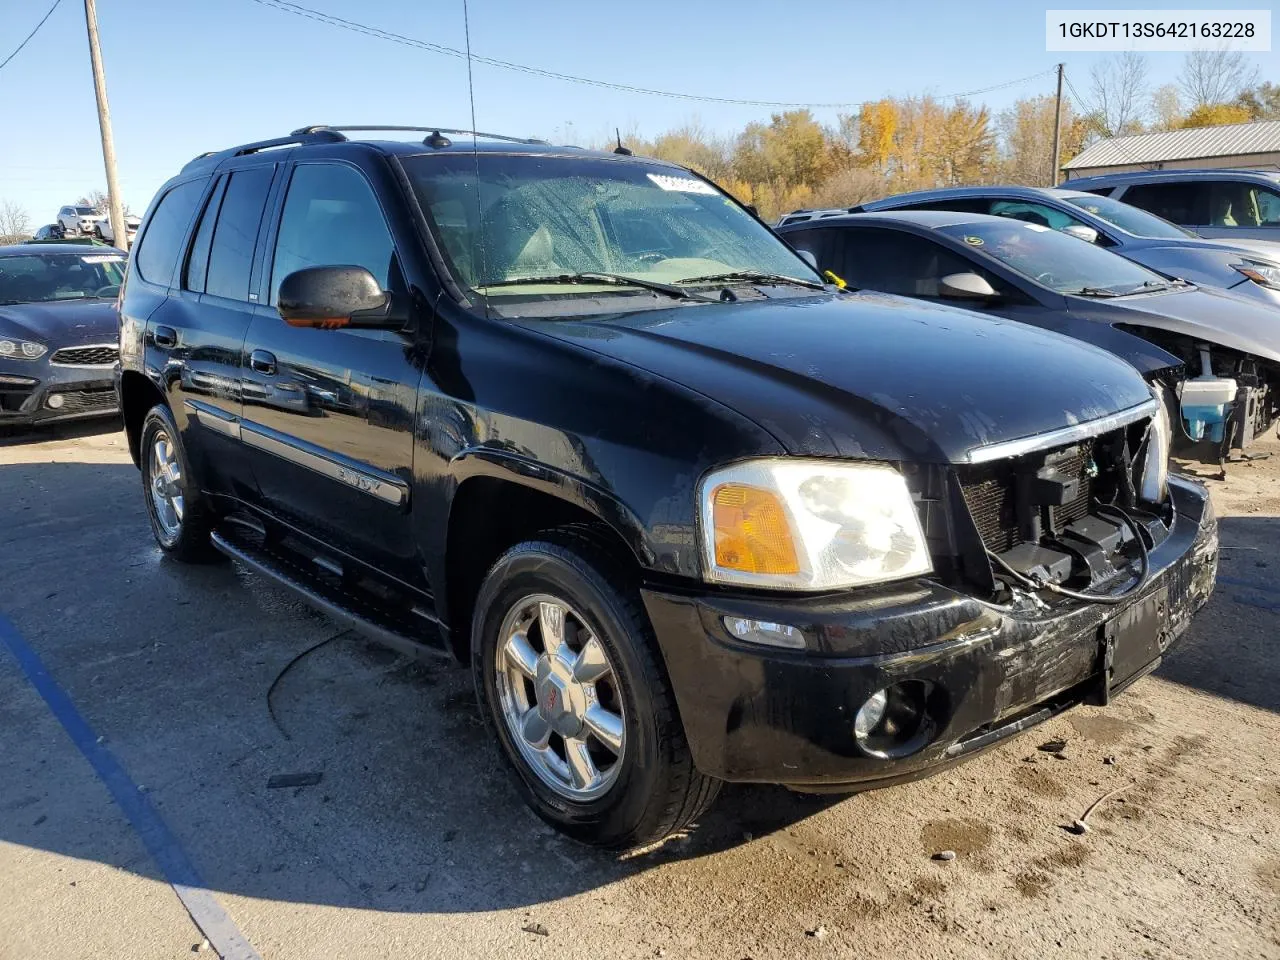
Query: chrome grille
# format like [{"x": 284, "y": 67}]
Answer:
[{"x": 96, "y": 356}]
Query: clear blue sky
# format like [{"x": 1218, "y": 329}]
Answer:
[{"x": 185, "y": 76}]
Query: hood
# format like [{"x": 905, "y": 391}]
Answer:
[
  {"x": 869, "y": 375},
  {"x": 68, "y": 323},
  {"x": 1258, "y": 249},
  {"x": 1207, "y": 313}
]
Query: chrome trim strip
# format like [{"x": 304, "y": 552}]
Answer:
[
  {"x": 359, "y": 476},
  {"x": 213, "y": 418},
  {"x": 1008, "y": 449}
]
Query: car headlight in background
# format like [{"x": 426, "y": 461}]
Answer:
[
  {"x": 1155, "y": 464},
  {"x": 1266, "y": 274},
  {"x": 21, "y": 350},
  {"x": 809, "y": 525}
]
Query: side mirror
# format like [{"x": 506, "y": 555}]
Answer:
[
  {"x": 1081, "y": 232},
  {"x": 330, "y": 297},
  {"x": 966, "y": 286},
  {"x": 808, "y": 257}
]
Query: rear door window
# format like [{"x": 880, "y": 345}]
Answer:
[
  {"x": 236, "y": 233},
  {"x": 158, "y": 248},
  {"x": 1185, "y": 203}
]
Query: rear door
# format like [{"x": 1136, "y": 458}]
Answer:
[
  {"x": 205, "y": 318},
  {"x": 1184, "y": 202},
  {"x": 193, "y": 356},
  {"x": 329, "y": 414}
]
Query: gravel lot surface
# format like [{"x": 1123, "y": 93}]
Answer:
[{"x": 414, "y": 844}]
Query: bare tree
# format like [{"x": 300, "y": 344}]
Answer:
[
  {"x": 15, "y": 222},
  {"x": 1210, "y": 77},
  {"x": 1120, "y": 94},
  {"x": 1166, "y": 109}
]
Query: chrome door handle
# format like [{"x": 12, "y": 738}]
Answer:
[
  {"x": 165, "y": 337},
  {"x": 262, "y": 362}
]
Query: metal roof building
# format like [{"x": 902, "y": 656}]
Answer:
[{"x": 1240, "y": 145}]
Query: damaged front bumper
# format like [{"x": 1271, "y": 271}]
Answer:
[{"x": 981, "y": 673}]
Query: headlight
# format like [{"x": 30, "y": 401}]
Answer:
[
  {"x": 1264, "y": 273},
  {"x": 809, "y": 525},
  {"x": 1155, "y": 465},
  {"x": 22, "y": 349}
]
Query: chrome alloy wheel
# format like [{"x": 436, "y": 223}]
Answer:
[
  {"x": 560, "y": 697},
  {"x": 166, "y": 485}
]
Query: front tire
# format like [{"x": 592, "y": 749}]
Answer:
[
  {"x": 180, "y": 520},
  {"x": 570, "y": 679}
]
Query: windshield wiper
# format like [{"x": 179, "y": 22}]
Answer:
[
  {"x": 611, "y": 279},
  {"x": 1100, "y": 292},
  {"x": 752, "y": 276},
  {"x": 1150, "y": 286}
]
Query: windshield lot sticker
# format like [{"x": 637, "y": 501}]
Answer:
[
  {"x": 682, "y": 184},
  {"x": 973, "y": 241},
  {"x": 1038, "y": 227},
  {"x": 103, "y": 258}
]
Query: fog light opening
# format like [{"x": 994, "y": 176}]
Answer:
[
  {"x": 895, "y": 721},
  {"x": 55, "y": 401}
]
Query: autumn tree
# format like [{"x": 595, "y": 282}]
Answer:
[
  {"x": 1262, "y": 102},
  {"x": 1026, "y": 140},
  {"x": 1216, "y": 114}
]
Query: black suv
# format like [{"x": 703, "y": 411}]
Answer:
[{"x": 690, "y": 513}]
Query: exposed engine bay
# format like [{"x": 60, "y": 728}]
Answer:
[{"x": 1077, "y": 520}]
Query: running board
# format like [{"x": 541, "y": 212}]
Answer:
[{"x": 340, "y": 604}]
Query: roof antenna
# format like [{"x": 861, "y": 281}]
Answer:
[{"x": 620, "y": 149}]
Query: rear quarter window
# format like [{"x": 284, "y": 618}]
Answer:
[{"x": 158, "y": 247}]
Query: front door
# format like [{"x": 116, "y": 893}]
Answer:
[{"x": 328, "y": 414}]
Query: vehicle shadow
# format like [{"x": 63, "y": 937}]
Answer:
[
  {"x": 206, "y": 681},
  {"x": 66, "y": 430},
  {"x": 1232, "y": 649}
]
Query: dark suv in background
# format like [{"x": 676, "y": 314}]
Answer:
[
  {"x": 1231, "y": 204},
  {"x": 691, "y": 514}
]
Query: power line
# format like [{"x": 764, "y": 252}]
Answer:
[
  {"x": 31, "y": 34},
  {"x": 298, "y": 10},
  {"x": 1087, "y": 108}
]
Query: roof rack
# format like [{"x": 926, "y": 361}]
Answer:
[
  {"x": 298, "y": 137},
  {"x": 367, "y": 128}
]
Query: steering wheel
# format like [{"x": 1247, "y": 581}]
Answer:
[
  {"x": 1046, "y": 278},
  {"x": 107, "y": 292}
]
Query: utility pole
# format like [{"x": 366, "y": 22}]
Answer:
[
  {"x": 115, "y": 209},
  {"x": 1057, "y": 129}
]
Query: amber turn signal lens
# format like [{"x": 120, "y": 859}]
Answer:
[{"x": 751, "y": 531}]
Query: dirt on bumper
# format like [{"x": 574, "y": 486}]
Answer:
[{"x": 760, "y": 714}]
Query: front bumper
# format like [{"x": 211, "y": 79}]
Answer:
[
  {"x": 87, "y": 391},
  {"x": 759, "y": 714}
]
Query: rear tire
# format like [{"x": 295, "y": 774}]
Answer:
[
  {"x": 648, "y": 786},
  {"x": 180, "y": 519}
]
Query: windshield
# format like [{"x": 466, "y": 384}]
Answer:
[
  {"x": 42, "y": 277},
  {"x": 86, "y": 211},
  {"x": 1131, "y": 220},
  {"x": 1059, "y": 261},
  {"x": 549, "y": 217}
]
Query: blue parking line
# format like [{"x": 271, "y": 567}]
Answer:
[{"x": 205, "y": 911}]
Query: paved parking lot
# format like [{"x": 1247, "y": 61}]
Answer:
[{"x": 166, "y": 681}]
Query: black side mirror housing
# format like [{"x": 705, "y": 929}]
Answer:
[
  {"x": 966, "y": 286},
  {"x": 335, "y": 296}
]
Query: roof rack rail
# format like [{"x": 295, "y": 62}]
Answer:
[
  {"x": 298, "y": 137},
  {"x": 367, "y": 128}
]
